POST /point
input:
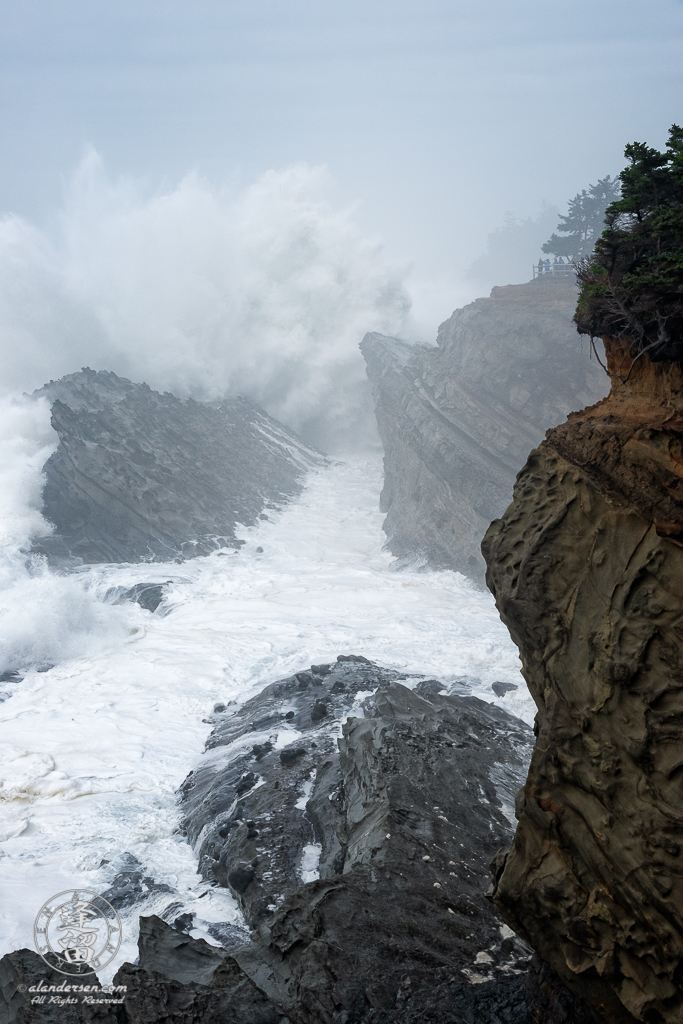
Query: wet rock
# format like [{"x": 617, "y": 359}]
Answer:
[
  {"x": 239, "y": 879},
  {"x": 10, "y": 676},
  {"x": 457, "y": 420},
  {"x": 32, "y": 992},
  {"x": 178, "y": 956},
  {"x": 184, "y": 922},
  {"x": 429, "y": 688},
  {"x": 143, "y": 476},
  {"x": 451, "y": 1002},
  {"x": 186, "y": 981},
  {"x": 500, "y": 689},
  {"x": 586, "y": 567},
  {"x": 178, "y": 979},
  {"x": 231, "y": 787},
  {"x": 401, "y": 800},
  {"x": 9, "y": 680},
  {"x": 148, "y": 595},
  {"x": 319, "y": 709},
  {"x": 259, "y": 750},
  {"x": 533, "y": 997},
  {"x": 405, "y": 818},
  {"x": 288, "y": 757},
  {"x": 131, "y": 885}
]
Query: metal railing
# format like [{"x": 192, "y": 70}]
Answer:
[{"x": 556, "y": 269}]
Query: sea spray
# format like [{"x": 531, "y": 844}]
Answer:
[
  {"x": 265, "y": 292},
  {"x": 44, "y": 618},
  {"x": 97, "y": 746}
]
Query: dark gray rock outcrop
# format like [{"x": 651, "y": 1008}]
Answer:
[
  {"x": 395, "y": 814},
  {"x": 178, "y": 979},
  {"x": 140, "y": 475},
  {"x": 457, "y": 421},
  {"x": 403, "y": 796},
  {"x": 33, "y": 992},
  {"x": 184, "y": 980},
  {"x": 229, "y": 997}
]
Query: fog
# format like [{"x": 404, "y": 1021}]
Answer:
[
  {"x": 222, "y": 197},
  {"x": 441, "y": 116},
  {"x": 226, "y": 196},
  {"x": 264, "y": 291}
]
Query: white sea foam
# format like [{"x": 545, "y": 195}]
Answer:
[
  {"x": 26, "y": 442},
  {"x": 310, "y": 859},
  {"x": 44, "y": 618},
  {"x": 95, "y": 748}
]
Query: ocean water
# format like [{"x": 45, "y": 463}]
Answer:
[{"x": 109, "y": 716}]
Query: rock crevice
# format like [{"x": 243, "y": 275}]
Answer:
[{"x": 457, "y": 420}]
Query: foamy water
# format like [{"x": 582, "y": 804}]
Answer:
[{"x": 93, "y": 749}]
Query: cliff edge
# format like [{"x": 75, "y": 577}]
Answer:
[
  {"x": 457, "y": 420},
  {"x": 586, "y": 567}
]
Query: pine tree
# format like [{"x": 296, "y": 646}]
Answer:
[
  {"x": 583, "y": 224},
  {"x": 632, "y": 285}
]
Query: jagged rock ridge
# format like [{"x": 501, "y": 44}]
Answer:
[
  {"x": 406, "y": 811},
  {"x": 140, "y": 475},
  {"x": 405, "y": 817},
  {"x": 458, "y": 420},
  {"x": 586, "y": 567}
]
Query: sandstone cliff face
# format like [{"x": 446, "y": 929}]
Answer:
[
  {"x": 457, "y": 420},
  {"x": 586, "y": 567},
  {"x": 143, "y": 476}
]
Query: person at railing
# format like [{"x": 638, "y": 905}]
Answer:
[{"x": 558, "y": 266}]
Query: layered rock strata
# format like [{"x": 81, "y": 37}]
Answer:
[
  {"x": 400, "y": 813},
  {"x": 184, "y": 980},
  {"x": 354, "y": 819},
  {"x": 458, "y": 420},
  {"x": 586, "y": 567},
  {"x": 139, "y": 475}
]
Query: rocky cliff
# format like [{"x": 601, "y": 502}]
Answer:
[
  {"x": 391, "y": 825},
  {"x": 143, "y": 476},
  {"x": 457, "y": 421},
  {"x": 586, "y": 566}
]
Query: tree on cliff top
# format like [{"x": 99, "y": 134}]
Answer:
[
  {"x": 584, "y": 221},
  {"x": 632, "y": 285}
]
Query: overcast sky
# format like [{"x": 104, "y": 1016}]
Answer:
[{"x": 438, "y": 116}]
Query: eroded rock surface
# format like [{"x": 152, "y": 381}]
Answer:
[
  {"x": 586, "y": 567},
  {"x": 143, "y": 476},
  {"x": 401, "y": 811},
  {"x": 33, "y": 992},
  {"x": 354, "y": 819},
  {"x": 457, "y": 421}
]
